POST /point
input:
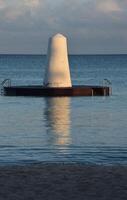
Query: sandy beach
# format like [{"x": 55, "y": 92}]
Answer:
[{"x": 63, "y": 181}]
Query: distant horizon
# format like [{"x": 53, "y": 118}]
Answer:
[{"x": 92, "y": 54}]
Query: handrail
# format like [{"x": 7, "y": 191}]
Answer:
[
  {"x": 106, "y": 81},
  {"x": 5, "y": 83}
]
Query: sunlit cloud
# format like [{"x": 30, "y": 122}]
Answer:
[
  {"x": 32, "y": 3},
  {"x": 12, "y": 14},
  {"x": 15, "y": 9},
  {"x": 108, "y": 6},
  {"x": 2, "y": 4}
]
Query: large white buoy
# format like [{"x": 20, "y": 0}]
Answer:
[{"x": 57, "y": 72}]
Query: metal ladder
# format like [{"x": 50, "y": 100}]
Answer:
[
  {"x": 107, "y": 83},
  {"x": 5, "y": 83}
]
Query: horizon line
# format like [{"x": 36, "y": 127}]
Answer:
[{"x": 82, "y": 54}]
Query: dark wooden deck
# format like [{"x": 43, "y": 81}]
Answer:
[{"x": 53, "y": 92}]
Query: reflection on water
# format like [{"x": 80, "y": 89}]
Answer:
[{"x": 57, "y": 114}]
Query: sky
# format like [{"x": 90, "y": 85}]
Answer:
[{"x": 91, "y": 26}]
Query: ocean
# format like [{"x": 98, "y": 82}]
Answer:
[{"x": 90, "y": 130}]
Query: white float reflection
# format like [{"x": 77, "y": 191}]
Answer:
[{"x": 58, "y": 120}]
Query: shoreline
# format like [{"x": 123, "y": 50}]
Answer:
[{"x": 63, "y": 181}]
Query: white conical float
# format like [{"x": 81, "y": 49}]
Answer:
[{"x": 57, "y": 74}]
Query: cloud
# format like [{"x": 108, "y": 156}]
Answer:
[
  {"x": 13, "y": 14},
  {"x": 15, "y": 9},
  {"x": 90, "y": 24},
  {"x": 108, "y": 6},
  {"x": 2, "y": 4},
  {"x": 32, "y": 3}
]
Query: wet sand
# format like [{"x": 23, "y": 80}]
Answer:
[{"x": 63, "y": 181}]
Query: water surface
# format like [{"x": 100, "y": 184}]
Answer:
[{"x": 80, "y": 129}]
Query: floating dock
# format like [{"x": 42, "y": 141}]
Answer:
[
  {"x": 57, "y": 79},
  {"x": 41, "y": 91}
]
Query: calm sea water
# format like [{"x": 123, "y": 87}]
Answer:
[{"x": 81, "y": 129}]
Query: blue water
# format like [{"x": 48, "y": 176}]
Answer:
[{"x": 81, "y": 129}]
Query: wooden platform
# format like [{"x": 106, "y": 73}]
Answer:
[{"x": 54, "y": 92}]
